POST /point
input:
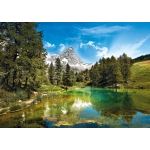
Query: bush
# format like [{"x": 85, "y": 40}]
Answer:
[
  {"x": 15, "y": 107},
  {"x": 3, "y": 111},
  {"x": 39, "y": 97},
  {"x": 7, "y": 97},
  {"x": 4, "y": 104},
  {"x": 22, "y": 94}
]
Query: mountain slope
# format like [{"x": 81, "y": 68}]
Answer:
[
  {"x": 140, "y": 77},
  {"x": 69, "y": 56},
  {"x": 142, "y": 58}
]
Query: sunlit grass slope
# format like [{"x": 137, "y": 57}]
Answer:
[{"x": 140, "y": 77}]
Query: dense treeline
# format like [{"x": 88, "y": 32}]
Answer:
[
  {"x": 108, "y": 72},
  {"x": 58, "y": 76},
  {"x": 22, "y": 57},
  {"x": 142, "y": 58}
]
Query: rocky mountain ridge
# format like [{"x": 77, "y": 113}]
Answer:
[{"x": 69, "y": 56}]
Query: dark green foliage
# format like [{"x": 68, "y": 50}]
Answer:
[
  {"x": 39, "y": 97},
  {"x": 80, "y": 77},
  {"x": 3, "y": 111},
  {"x": 21, "y": 94},
  {"x": 69, "y": 78},
  {"x": 86, "y": 74},
  {"x": 114, "y": 75},
  {"x": 67, "y": 75},
  {"x": 51, "y": 74},
  {"x": 125, "y": 67},
  {"x": 38, "y": 121},
  {"x": 72, "y": 78},
  {"x": 58, "y": 71},
  {"x": 22, "y": 56},
  {"x": 83, "y": 76},
  {"x": 6, "y": 98},
  {"x": 110, "y": 71},
  {"x": 141, "y": 58},
  {"x": 64, "y": 77},
  {"x": 15, "y": 107},
  {"x": 95, "y": 74}
]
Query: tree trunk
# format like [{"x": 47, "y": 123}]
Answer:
[{"x": 26, "y": 83}]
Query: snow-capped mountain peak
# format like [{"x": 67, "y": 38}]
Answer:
[{"x": 69, "y": 56}]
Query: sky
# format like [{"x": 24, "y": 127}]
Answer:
[{"x": 94, "y": 40}]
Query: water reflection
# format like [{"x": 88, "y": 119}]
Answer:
[
  {"x": 113, "y": 104},
  {"x": 87, "y": 108},
  {"x": 23, "y": 117},
  {"x": 112, "y": 107},
  {"x": 47, "y": 110},
  {"x": 64, "y": 111},
  {"x": 79, "y": 104},
  {"x": 128, "y": 109}
]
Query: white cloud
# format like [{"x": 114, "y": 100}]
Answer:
[
  {"x": 132, "y": 50},
  {"x": 140, "y": 43},
  {"x": 103, "y": 29},
  {"x": 47, "y": 44},
  {"x": 101, "y": 51},
  {"x": 48, "y": 58},
  {"x": 90, "y": 43},
  {"x": 62, "y": 47}
]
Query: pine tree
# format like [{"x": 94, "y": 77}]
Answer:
[
  {"x": 103, "y": 71},
  {"x": 114, "y": 74},
  {"x": 80, "y": 77},
  {"x": 58, "y": 71},
  {"x": 64, "y": 77},
  {"x": 69, "y": 78},
  {"x": 125, "y": 66},
  {"x": 86, "y": 74},
  {"x": 22, "y": 56},
  {"x": 72, "y": 78},
  {"x": 95, "y": 75},
  {"x": 51, "y": 74}
]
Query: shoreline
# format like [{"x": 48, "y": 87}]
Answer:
[{"x": 30, "y": 103}]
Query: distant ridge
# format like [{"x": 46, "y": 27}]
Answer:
[{"x": 142, "y": 58}]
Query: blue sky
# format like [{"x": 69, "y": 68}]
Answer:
[{"x": 94, "y": 40}]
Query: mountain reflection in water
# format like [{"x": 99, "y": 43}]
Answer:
[{"x": 88, "y": 108}]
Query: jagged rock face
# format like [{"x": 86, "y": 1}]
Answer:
[{"x": 69, "y": 56}]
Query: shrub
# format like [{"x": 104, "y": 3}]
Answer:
[
  {"x": 15, "y": 107},
  {"x": 22, "y": 94},
  {"x": 7, "y": 98},
  {"x": 3, "y": 111},
  {"x": 39, "y": 97}
]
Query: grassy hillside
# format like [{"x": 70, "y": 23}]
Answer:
[{"x": 140, "y": 77}]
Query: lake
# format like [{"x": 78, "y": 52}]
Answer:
[{"x": 86, "y": 108}]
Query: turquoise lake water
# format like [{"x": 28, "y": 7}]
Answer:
[{"x": 86, "y": 108}]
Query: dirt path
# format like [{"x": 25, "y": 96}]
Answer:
[{"x": 28, "y": 102}]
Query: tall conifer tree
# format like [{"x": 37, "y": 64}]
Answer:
[
  {"x": 22, "y": 56},
  {"x": 58, "y": 71}
]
